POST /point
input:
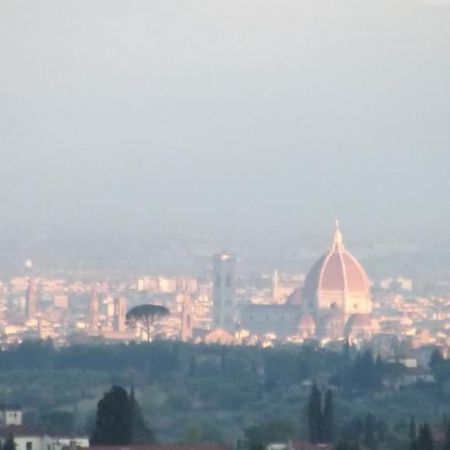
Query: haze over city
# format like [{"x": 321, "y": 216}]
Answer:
[{"x": 231, "y": 117}]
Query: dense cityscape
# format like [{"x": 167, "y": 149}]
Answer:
[{"x": 334, "y": 301}]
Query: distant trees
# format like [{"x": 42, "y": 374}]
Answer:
[
  {"x": 198, "y": 380},
  {"x": 358, "y": 374},
  {"x": 440, "y": 367},
  {"x": 368, "y": 430},
  {"x": 320, "y": 423},
  {"x": 119, "y": 420},
  {"x": 365, "y": 374},
  {"x": 145, "y": 316},
  {"x": 424, "y": 440},
  {"x": 275, "y": 367}
]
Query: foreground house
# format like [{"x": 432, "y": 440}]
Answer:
[{"x": 27, "y": 439}]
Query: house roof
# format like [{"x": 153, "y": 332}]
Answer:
[{"x": 10, "y": 407}]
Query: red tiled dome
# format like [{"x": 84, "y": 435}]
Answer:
[{"x": 336, "y": 272}]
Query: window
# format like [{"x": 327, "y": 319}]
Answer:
[{"x": 29, "y": 446}]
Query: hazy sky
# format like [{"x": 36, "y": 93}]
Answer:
[{"x": 225, "y": 114}]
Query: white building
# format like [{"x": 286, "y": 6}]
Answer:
[
  {"x": 30, "y": 440},
  {"x": 26, "y": 439}
]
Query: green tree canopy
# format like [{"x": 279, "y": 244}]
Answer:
[{"x": 145, "y": 316}]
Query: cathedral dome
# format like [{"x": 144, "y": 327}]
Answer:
[{"x": 337, "y": 280}]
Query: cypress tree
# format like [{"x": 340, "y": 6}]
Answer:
[
  {"x": 113, "y": 424},
  {"x": 425, "y": 439},
  {"x": 328, "y": 426},
  {"x": 315, "y": 415}
]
